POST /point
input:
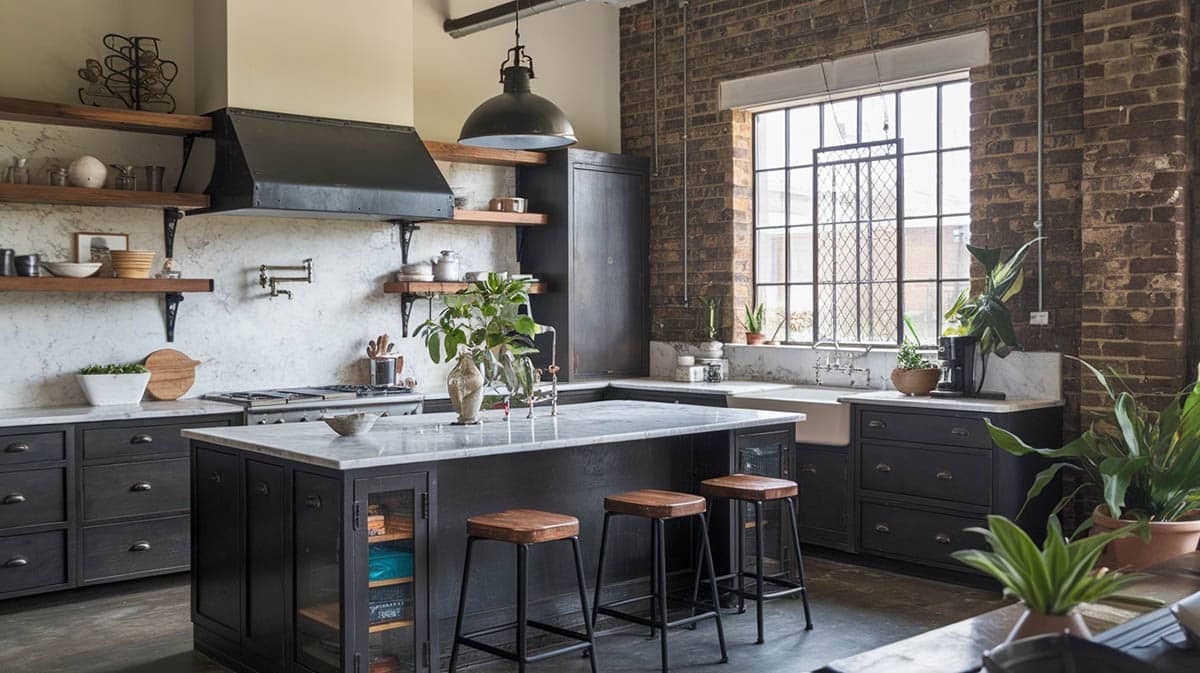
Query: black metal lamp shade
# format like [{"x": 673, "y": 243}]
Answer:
[{"x": 517, "y": 119}]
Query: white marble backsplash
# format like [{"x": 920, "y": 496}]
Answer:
[
  {"x": 244, "y": 339},
  {"x": 1020, "y": 376}
]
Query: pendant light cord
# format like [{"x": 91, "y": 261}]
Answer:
[{"x": 875, "y": 57}]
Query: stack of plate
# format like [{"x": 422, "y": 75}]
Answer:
[
  {"x": 72, "y": 269},
  {"x": 132, "y": 263}
]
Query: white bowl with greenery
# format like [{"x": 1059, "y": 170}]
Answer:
[{"x": 105, "y": 385}]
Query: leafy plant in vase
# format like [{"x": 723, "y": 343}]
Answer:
[
  {"x": 755, "y": 316},
  {"x": 1147, "y": 465},
  {"x": 483, "y": 329},
  {"x": 712, "y": 349},
  {"x": 914, "y": 374},
  {"x": 113, "y": 384},
  {"x": 1050, "y": 582}
]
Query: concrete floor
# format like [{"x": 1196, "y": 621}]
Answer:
[{"x": 144, "y": 627}]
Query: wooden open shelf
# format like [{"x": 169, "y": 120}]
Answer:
[
  {"x": 389, "y": 537},
  {"x": 484, "y": 155},
  {"x": 126, "y": 285},
  {"x": 80, "y": 196},
  {"x": 388, "y": 626},
  {"x": 498, "y": 218},
  {"x": 39, "y": 112},
  {"x": 436, "y": 287},
  {"x": 389, "y": 583},
  {"x": 327, "y": 614}
]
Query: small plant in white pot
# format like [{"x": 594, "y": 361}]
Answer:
[
  {"x": 914, "y": 374},
  {"x": 113, "y": 384}
]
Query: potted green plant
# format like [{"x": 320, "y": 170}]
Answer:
[
  {"x": 985, "y": 317},
  {"x": 1147, "y": 466},
  {"x": 483, "y": 330},
  {"x": 914, "y": 374},
  {"x": 1050, "y": 582},
  {"x": 755, "y": 315},
  {"x": 712, "y": 349},
  {"x": 114, "y": 383}
]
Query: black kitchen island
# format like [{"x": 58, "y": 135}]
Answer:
[{"x": 318, "y": 553}]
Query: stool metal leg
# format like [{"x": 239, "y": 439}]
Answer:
[
  {"x": 741, "y": 555},
  {"x": 791, "y": 505},
  {"x": 587, "y": 613},
  {"x": 758, "y": 563},
  {"x": 600, "y": 568},
  {"x": 462, "y": 606},
  {"x": 522, "y": 605},
  {"x": 712, "y": 585},
  {"x": 654, "y": 590},
  {"x": 660, "y": 571},
  {"x": 699, "y": 563}
]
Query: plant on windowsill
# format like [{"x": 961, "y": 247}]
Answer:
[
  {"x": 483, "y": 329},
  {"x": 986, "y": 317},
  {"x": 755, "y": 315},
  {"x": 914, "y": 374},
  {"x": 113, "y": 384},
  {"x": 1050, "y": 582},
  {"x": 1146, "y": 464}
]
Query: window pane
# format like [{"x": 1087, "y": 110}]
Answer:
[
  {"x": 921, "y": 308},
  {"x": 956, "y": 114},
  {"x": 956, "y": 182},
  {"x": 773, "y": 298},
  {"x": 769, "y": 260},
  {"x": 845, "y": 301},
  {"x": 920, "y": 185},
  {"x": 768, "y": 139},
  {"x": 950, "y": 292},
  {"x": 878, "y": 112},
  {"x": 918, "y": 117},
  {"x": 804, "y": 129},
  {"x": 801, "y": 260},
  {"x": 880, "y": 176},
  {"x": 845, "y": 253},
  {"x": 800, "y": 317},
  {"x": 800, "y": 183},
  {"x": 768, "y": 199},
  {"x": 877, "y": 302},
  {"x": 877, "y": 247},
  {"x": 841, "y": 122},
  {"x": 920, "y": 249},
  {"x": 956, "y": 234}
]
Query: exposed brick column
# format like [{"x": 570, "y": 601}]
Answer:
[{"x": 1135, "y": 186}]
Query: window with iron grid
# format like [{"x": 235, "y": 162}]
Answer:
[{"x": 884, "y": 236}]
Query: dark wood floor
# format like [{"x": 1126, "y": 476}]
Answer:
[{"x": 144, "y": 627}]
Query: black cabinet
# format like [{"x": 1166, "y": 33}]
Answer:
[
  {"x": 594, "y": 253},
  {"x": 216, "y": 520},
  {"x": 768, "y": 454},
  {"x": 267, "y": 597},
  {"x": 823, "y": 475},
  {"x": 681, "y": 397}
]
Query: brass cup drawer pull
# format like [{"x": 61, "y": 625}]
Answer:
[
  {"x": 959, "y": 431},
  {"x": 16, "y": 562},
  {"x": 14, "y": 499},
  {"x": 141, "y": 439},
  {"x": 141, "y": 487},
  {"x": 944, "y": 475},
  {"x": 140, "y": 546},
  {"x": 18, "y": 447},
  {"x": 883, "y": 467},
  {"x": 877, "y": 424},
  {"x": 941, "y": 538},
  {"x": 883, "y": 528}
]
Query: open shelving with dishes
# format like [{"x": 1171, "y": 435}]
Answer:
[{"x": 411, "y": 291}]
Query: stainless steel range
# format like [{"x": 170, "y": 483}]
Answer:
[{"x": 289, "y": 405}]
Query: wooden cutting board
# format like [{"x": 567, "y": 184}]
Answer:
[{"x": 171, "y": 374}]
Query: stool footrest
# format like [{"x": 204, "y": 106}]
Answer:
[
  {"x": 469, "y": 639},
  {"x": 645, "y": 621}
]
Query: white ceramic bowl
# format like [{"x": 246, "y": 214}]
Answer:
[
  {"x": 72, "y": 269},
  {"x": 105, "y": 389},
  {"x": 348, "y": 425}
]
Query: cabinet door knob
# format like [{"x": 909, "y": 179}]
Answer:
[
  {"x": 876, "y": 423},
  {"x": 141, "y": 439},
  {"x": 19, "y": 447},
  {"x": 261, "y": 488},
  {"x": 16, "y": 562},
  {"x": 883, "y": 528},
  {"x": 883, "y": 467},
  {"x": 941, "y": 538},
  {"x": 140, "y": 545},
  {"x": 959, "y": 432},
  {"x": 313, "y": 501},
  {"x": 14, "y": 499},
  {"x": 807, "y": 469},
  {"x": 140, "y": 487},
  {"x": 944, "y": 475},
  {"x": 215, "y": 477}
]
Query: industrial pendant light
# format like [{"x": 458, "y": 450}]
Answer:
[{"x": 517, "y": 119}]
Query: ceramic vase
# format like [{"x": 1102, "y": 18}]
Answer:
[
  {"x": 465, "y": 385},
  {"x": 916, "y": 382},
  {"x": 87, "y": 171},
  {"x": 104, "y": 389},
  {"x": 755, "y": 338},
  {"x": 1168, "y": 539},
  {"x": 1036, "y": 624}
]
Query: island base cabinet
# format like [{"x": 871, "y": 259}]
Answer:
[
  {"x": 216, "y": 522},
  {"x": 318, "y": 583},
  {"x": 267, "y": 500}
]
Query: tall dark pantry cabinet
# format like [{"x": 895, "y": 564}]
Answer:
[{"x": 595, "y": 256}]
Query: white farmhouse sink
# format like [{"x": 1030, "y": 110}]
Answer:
[{"x": 828, "y": 420}]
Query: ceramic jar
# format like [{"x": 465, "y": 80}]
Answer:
[
  {"x": 465, "y": 386},
  {"x": 448, "y": 267},
  {"x": 87, "y": 171}
]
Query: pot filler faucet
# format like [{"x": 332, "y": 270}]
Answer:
[
  {"x": 834, "y": 362},
  {"x": 273, "y": 282}
]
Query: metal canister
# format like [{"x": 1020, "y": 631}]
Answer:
[
  {"x": 383, "y": 371},
  {"x": 8, "y": 266}
]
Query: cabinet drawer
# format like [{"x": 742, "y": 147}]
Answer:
[
  {"x": 136, "y": 489},
  {"x": 929, "y": 473},
  {"x": 140, "y": 440},
  {"x": 32, "y": 448},
  {"x": 32, "y": 497},
  {"x": 121, "y": 549},
  {"x": 915, "y": 533},
  {"x": 924, "y": 429},
  {"x": 32, "y": 561}
]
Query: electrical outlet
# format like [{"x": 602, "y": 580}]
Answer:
[{"x": 1039, "y": 318}]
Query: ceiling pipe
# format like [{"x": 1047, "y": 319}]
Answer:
[{"x": 500, "y": 15}]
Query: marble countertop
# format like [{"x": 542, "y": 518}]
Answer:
[
  {"x": 116, "y": 412},
  {"x": 897, "y": 399},
  {"x": 660, "y": 385},
  {"x": 432, "y": 437}
]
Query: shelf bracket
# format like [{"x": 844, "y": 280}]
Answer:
[
  {"x": 406, "y": 233},
  {"x": 171, "y": 217},
  {"x": 172, "y": 310},
  {"x": 407, "y": 300}
]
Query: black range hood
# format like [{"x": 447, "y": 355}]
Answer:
[{"x": 283, "y": 165}]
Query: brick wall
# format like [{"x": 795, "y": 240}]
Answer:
[{"x": 1117, "y": 164}]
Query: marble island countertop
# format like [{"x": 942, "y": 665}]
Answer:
[
  {"x": 432, "y": 437},
  {"x": 730, "y": 387}
]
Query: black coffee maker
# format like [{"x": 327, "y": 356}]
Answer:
[{"x": 956, "y": 357}]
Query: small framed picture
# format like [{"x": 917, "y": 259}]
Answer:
[{"x": 97, "y": 247}]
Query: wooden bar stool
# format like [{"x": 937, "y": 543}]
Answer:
[
  {"x": 757, "y": 490},
  {"x": 658, "y": 506},
  {"x": 523, "y": 528}
]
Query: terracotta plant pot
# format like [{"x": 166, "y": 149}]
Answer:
[
  {"x": 755, "y": 338},
  {"x": 1168, "y": 539},
  {"x": 916, "y": 381},
  {"x": 1036, "y": 624}
]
